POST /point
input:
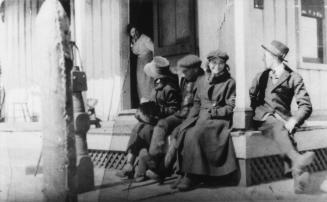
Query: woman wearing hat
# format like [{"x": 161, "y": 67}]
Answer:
[
  {"x": 165, "y": 100},
  {"x": 142, "y": 47},
  {"x": 271, "y": 96},
  {"x": 207, "y": 149}
]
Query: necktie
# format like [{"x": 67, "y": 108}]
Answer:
[{"x": 273, "y": 76}]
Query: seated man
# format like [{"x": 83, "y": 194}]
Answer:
[
  {"x": 271, "y": 95},
  {"x": 190, "y": 69},
  {"x": 165, "y": 100}
]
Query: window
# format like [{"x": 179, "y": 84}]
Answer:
[{"x": 312, "y": 31}]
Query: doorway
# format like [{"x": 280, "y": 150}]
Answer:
[{"x": 141, "y": 15}]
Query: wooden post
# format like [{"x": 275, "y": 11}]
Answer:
[{"x": 54, "y": 64}]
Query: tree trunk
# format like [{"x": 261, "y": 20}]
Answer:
[{"x": 54, "y": 62}]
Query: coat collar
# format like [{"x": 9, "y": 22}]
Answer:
[
  {"x": 283, "y": 77},
  {"x": 214, "y": 79}
]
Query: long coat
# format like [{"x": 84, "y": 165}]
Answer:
[
  {"x": 278, "y": 99},
  {"x": 207, "y": 146}
]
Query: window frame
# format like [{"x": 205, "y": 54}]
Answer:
[{"x": 310, "y": 64}]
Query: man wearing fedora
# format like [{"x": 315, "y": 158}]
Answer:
[
  {"x": 164, "y": 101},
  {"x": 271, "y": 95}
]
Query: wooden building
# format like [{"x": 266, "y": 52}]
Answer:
[{"x": 177, "y": 27}]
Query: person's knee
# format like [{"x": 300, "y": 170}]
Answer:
[
  {"x": 143, "y": 152},
  {"x": 162, "y": 124}
]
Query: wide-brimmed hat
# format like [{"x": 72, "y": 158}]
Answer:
[
  {"x": 277, "y": 48},
  {"x": 218, "y": 54},
  {"x": 189, "y": 61},
  {"x": 158, "y": 68}
]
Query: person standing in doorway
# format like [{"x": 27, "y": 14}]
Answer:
[{"x": 142, "y": 47}]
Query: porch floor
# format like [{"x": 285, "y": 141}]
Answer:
[
  {"x": 20, "y": 150},
  {"x": 111, "y": 188}
]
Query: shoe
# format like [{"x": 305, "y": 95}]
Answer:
[
  {"x": 127, "y": 171},
  {"x": 304, "y": 160},
  {"x": 301, "y": 182},
  {"x": 154, "y": 176},
  {"x": 176, "y": 182},
  {"x": 188, "y": 183}
]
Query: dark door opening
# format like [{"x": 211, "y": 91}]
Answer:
[{"x": 141, "y": 15}]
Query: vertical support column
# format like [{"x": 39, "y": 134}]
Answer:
[
  {"x": 242, "y": 117},
  {"x": 55, "y": 64}
]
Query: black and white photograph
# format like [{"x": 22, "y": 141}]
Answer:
[{"x": 163, "y": 100}]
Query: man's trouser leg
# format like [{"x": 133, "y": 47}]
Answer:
[
  {"x": 275, "y": 129},
  {"x": 163, "y": 128}
]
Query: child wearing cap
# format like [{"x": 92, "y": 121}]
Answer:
[{"x": 165, "y": 100}]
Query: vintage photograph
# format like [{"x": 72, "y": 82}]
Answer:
[{"x": 163, "y": 100}]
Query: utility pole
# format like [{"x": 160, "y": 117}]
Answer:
[{"x": 55, "y": 64}]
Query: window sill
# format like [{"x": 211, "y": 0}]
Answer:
[{"x": 313, "y": 66}]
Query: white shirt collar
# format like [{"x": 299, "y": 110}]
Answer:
[{"x": 279, "y": 70}]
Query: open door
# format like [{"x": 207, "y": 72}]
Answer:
[{"x": 174, "y": 27}]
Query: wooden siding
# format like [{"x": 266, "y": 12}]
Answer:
[
  {"x": 280, "y": 20},
  {"x": 100, "y": 34},
  {"x": 20, "y": 77}
]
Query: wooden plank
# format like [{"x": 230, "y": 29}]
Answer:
[
  {"x": 34, "y": 68},
  {"x": 280, "y": 20},
  {"x": 297, "y": 13},
  {"x": 15, "y": 74},
  {"x": 254, "y": 40},
  {"x": 98, "y": 55},
  {"x": 291, "y": 33},
  {"x": 97, "y": 40},
  {"x": 245, "y": 172},
  {"x": 106, "y": 26},
  {"x": 183, "y": 31},
  {"x": 167, "y": 26},
  {"x": 105, "y": 37},
  {"x": 269, "y": 24},
  {"x": 21, "y": 45},
  {"x": 87, "y": 51},
  {"x": 28, "y": 42}
]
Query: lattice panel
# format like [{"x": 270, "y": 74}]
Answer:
[
  {"x": 270, "y": 168},
  {"x": 320, "y": 161},
  {"x": 108, "y": 159},
  {"x": 266, "y": 169}
]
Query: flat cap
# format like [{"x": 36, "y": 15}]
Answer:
[
  {"x": 218, "y": 54},
  {"x": 189, "y": 61}
]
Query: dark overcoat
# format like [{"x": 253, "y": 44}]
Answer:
[
  {"x": 165, "y": 126},
  {"x": 278, "y": 100},
  {"x": 166, "y": 95},
  {"x": 207, "y": 146}
]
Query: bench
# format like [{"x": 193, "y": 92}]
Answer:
[
  {"x": 261, "y": 161},
  {"x": 258, "y": 156}
]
